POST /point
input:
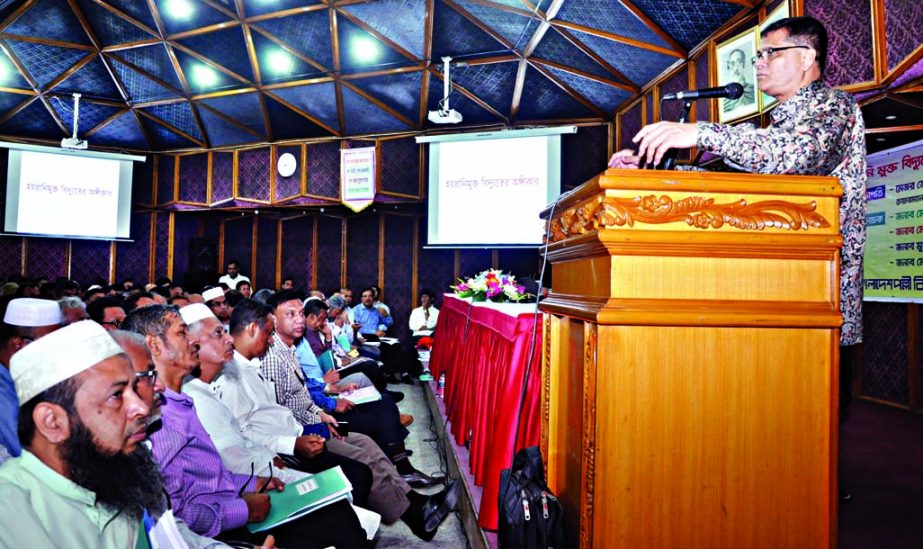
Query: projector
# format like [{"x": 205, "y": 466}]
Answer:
[
  {"x": 74, "y": 143},
  {"x": 450, "y": 116}
]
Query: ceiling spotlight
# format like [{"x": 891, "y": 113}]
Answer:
[
  {"x": 365, "y": 49},
  {"x": 6, "y": 71},
  {"x": 179, "y": 9},
  {"x": 280, "y": 61},
  {"x": 204, "y": 76},
  {"x": 880, "y": 139},
  {"x": 891, "y": 117}
]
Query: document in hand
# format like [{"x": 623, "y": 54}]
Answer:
[
  {"x": 363, "y": 395},
  {"x": 302, "y": 497}
]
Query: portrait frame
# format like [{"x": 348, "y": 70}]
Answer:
[
  {"x": 782, "y": 11},
  {"x": 744, "y": 43}
]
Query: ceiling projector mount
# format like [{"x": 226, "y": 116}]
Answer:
[
  {"x": 445, "y": 115},
  {"x": 73, "y": 142}
]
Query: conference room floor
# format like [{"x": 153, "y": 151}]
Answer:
[
  {"x": 881, "y": 465},
  {"x": 427, "y": 457}
]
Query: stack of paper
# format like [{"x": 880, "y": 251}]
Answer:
[
  {"x": 363, "y": 395},
  {"x": 302, "y": 497}
]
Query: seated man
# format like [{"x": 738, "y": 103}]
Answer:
[
  {"x": 107, "y": 312},
  {"x": 423, "y": 318},
  {"x": 217, "y": 301},
  {"x": 239, "y": 454},
  {"x": 281, "y": 367},
  {"x": 369, "y": 317},
  {"x": 252, "y": 398},
  {"x": 25, "y": 320},
  {"x": 82, "y": 426},
  {"x": 208, "y": 497}
]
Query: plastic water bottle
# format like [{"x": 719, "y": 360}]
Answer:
[{"x": 441, "y": 388}]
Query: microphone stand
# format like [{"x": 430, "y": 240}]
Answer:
[{"x": 669, "y": 159}]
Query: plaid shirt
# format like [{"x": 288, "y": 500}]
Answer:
[{"x": 280, "y": 366}]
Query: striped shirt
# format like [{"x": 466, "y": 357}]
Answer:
[
  {"x": 280, "y": 367},
  {"x": 202, "y": 492}
]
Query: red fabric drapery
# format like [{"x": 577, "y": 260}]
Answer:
[{"x": 484, "y": 351}]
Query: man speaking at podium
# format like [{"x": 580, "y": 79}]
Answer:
[{"x": 815, "y": 130}]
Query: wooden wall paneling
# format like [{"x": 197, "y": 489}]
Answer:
[
  {"x": 254, "y": 238},
  {"x": 208, "y": 177},
  {"x": 314, "y": 254},
  {"x": 278, "y": 279},
  {"x": 913, "y": 355},
  {"x": 68, "y": 251},
  {"x": 879, "y": 39},
  {"x": 415, "y": 280},
  {"x": 152, "y": 251},
  {"x": 381, "y": 238},
  {"x": 170, "y": 242},
  {"x": 221, "y": 246}
]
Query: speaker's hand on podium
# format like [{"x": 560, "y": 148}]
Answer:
[
  {"x": 625, "y": 159},
  {"x": 656, "y": 139}
]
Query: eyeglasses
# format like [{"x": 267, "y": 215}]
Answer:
[
  {"x": 114, "y": 323},
  {"x": 150, "y": 376},
  {"x": 770, "y": 53}
]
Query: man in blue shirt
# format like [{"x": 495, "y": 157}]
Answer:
[
  {"x": 25, "y": 320},
  {"x": 370, "y": 317}
]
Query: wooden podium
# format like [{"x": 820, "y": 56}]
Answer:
[{"x": 690, "y": 372}]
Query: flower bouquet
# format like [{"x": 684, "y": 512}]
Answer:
[{"x": 491, "y": 285}]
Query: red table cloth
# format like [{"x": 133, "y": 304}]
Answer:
[{"x": 483, "y": 350}]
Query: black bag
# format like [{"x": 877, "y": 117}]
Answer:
[{"x": 530, "y": 516}]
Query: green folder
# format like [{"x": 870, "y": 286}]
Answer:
[
  {"x": 326, "y": 361},
  {"x": 343, "y": 342},
  {"x": 302, "y": 497}
]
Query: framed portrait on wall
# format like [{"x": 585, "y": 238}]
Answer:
[
  {"x": 781, "y": 12},
  {"x": 733, "y": 61}
]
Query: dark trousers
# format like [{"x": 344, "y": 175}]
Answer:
[
  {"x": 380, "y": 420},
  {"x": 335, "y": 525},
  {"x": 370, "y": 369},
  {"x": 359, "y": 474}
]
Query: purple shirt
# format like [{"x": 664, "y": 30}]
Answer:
[{"x": 203, "y": 493}]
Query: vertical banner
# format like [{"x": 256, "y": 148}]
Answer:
[
  {"x": 357, "y": 177},
  {"x": 894, "y": 251}
]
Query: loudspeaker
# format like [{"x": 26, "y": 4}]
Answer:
[{"x": 203, "y": 255}]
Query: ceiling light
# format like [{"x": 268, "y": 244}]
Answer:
[
  {"x": 204, "y": 76},
  {"x": 6, "y": 71},
  {"x": 891, "y": 117},
  {"x": 280, "y": 61},
  {"x": 880, "y": 139},
  {"x": 179, "y": 9},
  {"x": 365, "y": 49}
]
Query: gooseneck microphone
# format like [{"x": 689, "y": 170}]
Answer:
[{"x": 730, "y": 91}]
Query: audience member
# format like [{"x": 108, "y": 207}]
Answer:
[
  {"x": 25, "y": 320},
  {"x": 202, "y": 491},
  {"x": 288, "y": 283},
  {"x": 244, "y": 288},
  {"x": 107, "y": 312},
  {"x": 233, "y": 276},
  {"x": 72, "y": 309},
  {"x": 84, "y": 479},
  {"x": 137, "y": 300},
  {"x": 251, "y": 398},
  {"x": 217, "y": 302},
  {"x": 423, "y": 318}
]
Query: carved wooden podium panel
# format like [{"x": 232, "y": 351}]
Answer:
[{"x": 690, "y": 365}]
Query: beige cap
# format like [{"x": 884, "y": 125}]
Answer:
[
  {"x": 60, "y": 355},
  {"x": 31, "y": 312},
  {"x": 195, "y": 312},
  {"x": 212, "y": 293}
]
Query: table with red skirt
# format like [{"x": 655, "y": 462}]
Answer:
[{"x": 483, "y": 349}]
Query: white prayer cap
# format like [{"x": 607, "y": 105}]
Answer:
[
  {"x": 31, "y": 312},
  {"x": 213, "y": 293},
  {"x": 312, "y": 298},
  {"x": 95, "y": 287},
  {"x": 195, "y": 312},
  {"x": 60, "y": 355}
]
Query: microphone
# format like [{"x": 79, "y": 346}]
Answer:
[{"x": 730, "y": 91}]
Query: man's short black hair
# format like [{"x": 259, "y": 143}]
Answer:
[
  {"x": 283, "y": 296},
  {"x": 804, "y": 30},
  {"x": 150, "y": 320},
  {"x": 287, "y": 278},
  {"x": 163, "y": 281},
  {"x": 430, "y": 293},
  {"x": 233, "y": 297},
  {"x": 162, "y": 291},
  {"x": 97, "y": 308},
  {"x": 242, "y": 282},
  {"x": 247, "y": 311},
  {"x": 233, "y": 262},
  {"x": 369, "y": 289},
  {"x": 131, "y": 302},
  {"x": 314, "y": 307}
]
